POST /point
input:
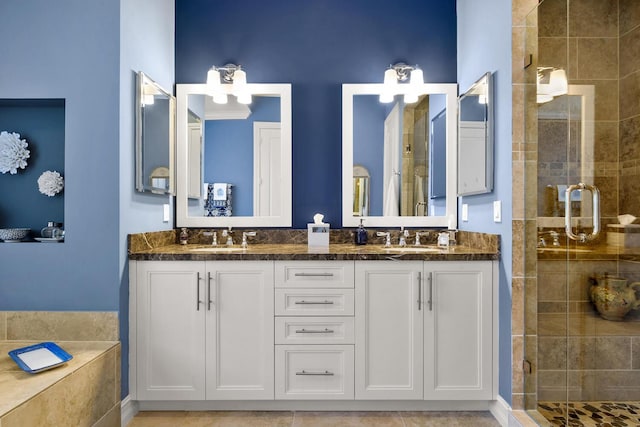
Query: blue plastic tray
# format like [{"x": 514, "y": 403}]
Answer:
[{"x": 39, "y": 357}]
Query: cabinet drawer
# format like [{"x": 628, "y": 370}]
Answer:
[
  {"x": 314, "y": 274},
  {"x": 314, "y": 302},
  {"x": 314, "y": 330},
  {"x": 314, "y": 372}
]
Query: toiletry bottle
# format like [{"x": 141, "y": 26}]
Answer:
[
  {"x": 184, "y": 236},
  {"x": 361, "y": 234},
  {"x": 52, "y": 230}
]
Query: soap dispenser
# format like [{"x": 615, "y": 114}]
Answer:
[
  {"x": 184, "y": 236},
  {"x": 361, "y": 234},
  {"x": 53, "y": 230}
]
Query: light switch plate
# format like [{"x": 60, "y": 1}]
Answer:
[
  {"x": 465, "y": 212},
  {"x": 166, "y": 213},
  {"x": 497, "y": 211}
]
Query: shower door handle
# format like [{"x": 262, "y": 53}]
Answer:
[{"x": 595, "y": 194}]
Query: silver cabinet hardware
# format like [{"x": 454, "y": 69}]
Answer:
[
  {"x": 198, "y": 301},
  {"x": 325, "y": 373},
  {"x": 303, "y": 302},
  {"x": 595, "y": 206},
  {"x": 209, "y": 302},
  {"x": 314, "y": 331},
  {"x": 314, "y": 274},
  {"x": 430, "y": 301},
  {"x": 419, "y": 291}
]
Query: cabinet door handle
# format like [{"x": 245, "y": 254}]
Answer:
[
  {"x": 419, "y": 291},
  {"x": 209, "y": 302},
  {"x": 198, "y": 301},
  {"x": 303, "y": 302},
  {"x": 314, "y": 331},
  {"x": 325, "y": 373},
  {"x": 430, "y": 301},
  {"x": 314, "y": 274}
]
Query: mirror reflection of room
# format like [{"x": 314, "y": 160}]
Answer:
[
  {"x": 233, "y": 156},
  {"x": 395, "y": 144}
]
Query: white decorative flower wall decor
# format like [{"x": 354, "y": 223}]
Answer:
[
  {"x": 50, "y": 183},
  {"x": 13, "y": 152}
]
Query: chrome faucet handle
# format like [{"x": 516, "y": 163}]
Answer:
[
  {"x": 246, "y": 234},
  {"x": 418, "y": 234},
  {"x": 214, "y": 240},
  {"x": 387, "y": 236}
]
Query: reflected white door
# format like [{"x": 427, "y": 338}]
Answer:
[
  {"x": 391, "y": 185},
  {"x": 266, "y": 169}
]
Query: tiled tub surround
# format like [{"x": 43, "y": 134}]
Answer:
[{"x": 83, "y": 392}]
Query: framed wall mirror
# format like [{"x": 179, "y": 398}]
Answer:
[
  {"x": 234, "y": 160},
  {"x": 394, "y": 144},
  {"x": 475, "y": 138},
  {"x": 155, "y": 137}
]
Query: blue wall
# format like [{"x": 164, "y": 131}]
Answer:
[
  {"x": 483, "y": 48},
  {"x": 68, "y": 50},
  {"x": 228, "y": 152},
  {"x": 316, "y": 46},
  {"x": 368, "y": 144}
]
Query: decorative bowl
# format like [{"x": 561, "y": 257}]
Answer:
[{"x": 13, "y": 234}]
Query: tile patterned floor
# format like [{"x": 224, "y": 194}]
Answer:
[
  {"x": 591, "y": 414},
  {"x": 313, "y": 419}
]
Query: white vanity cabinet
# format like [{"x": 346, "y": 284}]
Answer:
[
  {"x": 203, "y": 330},
  {"x": 314, "y": 332},
  {"x": 425, "y": 330}
]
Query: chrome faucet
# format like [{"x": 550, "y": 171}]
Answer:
[
  {"x": 403, "y": 237},
  {"x": 227, "y": 234},
  {"x": 246, "y": 234},
  {"x": 387, "y": 236}
]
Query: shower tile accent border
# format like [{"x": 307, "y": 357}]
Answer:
[{"x": 59, "y": 325}]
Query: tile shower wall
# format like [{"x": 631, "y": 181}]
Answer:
[
  {"x": 587, "y": 49},
  {"x": 581, "y": 355},
  {"x": 629, "y": 128}
]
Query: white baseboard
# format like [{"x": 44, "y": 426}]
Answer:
[
  {"x": 128, "y": 409},
  {"x": 500, "y": 410}
]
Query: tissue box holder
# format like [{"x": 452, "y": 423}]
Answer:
[
  {"x": 318, "y": 235},
  {"x": 623, "y": 236}
]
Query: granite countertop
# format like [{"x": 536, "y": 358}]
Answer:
[
  {"x": 17, "y": 386},
  {"x": 285, "y": 251}
]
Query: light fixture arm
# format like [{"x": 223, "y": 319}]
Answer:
[{"x": 403, "y": 71}]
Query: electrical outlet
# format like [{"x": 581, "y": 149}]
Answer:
[
  {"x": 166, "y": 213},
  {"x": 465, "y": 212},
  {"x": 497, "y": 211}
]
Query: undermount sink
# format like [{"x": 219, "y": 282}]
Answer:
[
  {"x": 415, "y": 249},
  {"x": 218, "y": 249}
]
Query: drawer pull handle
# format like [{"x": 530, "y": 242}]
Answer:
[
  {"x": 314, "y": 331},
  {"x": 314, "y": 274},
  {"x": 325, "y": 373},
  {"x": 314, "y": 302}
]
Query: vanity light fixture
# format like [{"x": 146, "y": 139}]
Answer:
[
  {"x": 551, "y": 82},
  {"x": 219, "y": 77},
  {"x": 402, "y": 72}
]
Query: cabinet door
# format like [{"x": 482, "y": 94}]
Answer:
[
  {"x": 459, "y": 330},
  {"x": 170, "y": 330},
  {"x": 389, "y": 330},
  {"x": 239, "y": 330}
]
